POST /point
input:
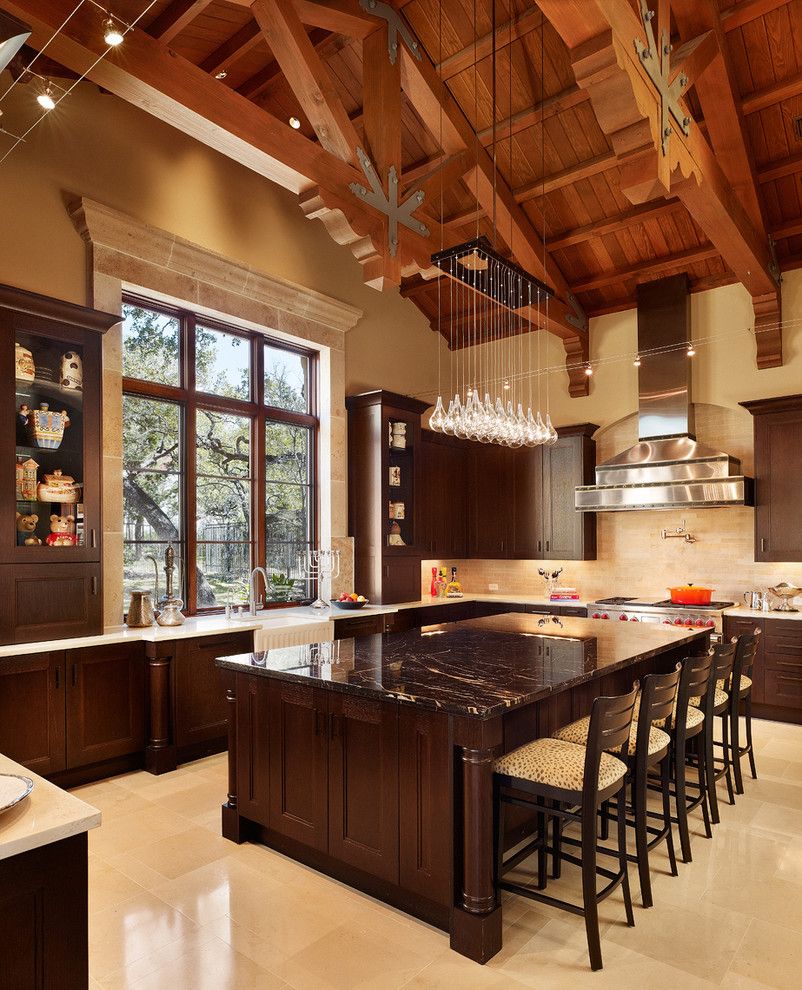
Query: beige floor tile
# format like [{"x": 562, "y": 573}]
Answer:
[
  {"x": 265, "y": 951},
  {"x": 112, "y": 800},
  {"x": 774, "y": 818},
  {"x": 449, "y": 970},
  {"x": 770, "y": 954},
  {"x": 128, "y": 975},
  {"x": 180, "y": 853},
  {"x": 212, "y": 966},
  {"x": 780, "y": 748},
  {"x": 202, "y": 797},
  {"x": 108, "y": 887},
  {"x": 205, "y": 894},
  {"x": 792, "y": 772},
  {"x": 131, "y": 930},
  {"x": 124, "y": 833}
]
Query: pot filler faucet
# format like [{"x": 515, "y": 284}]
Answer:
[{"x": 680, "y": 533}]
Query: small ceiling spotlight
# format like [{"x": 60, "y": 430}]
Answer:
[
  {"x": 221, "y": 74},
  {"x": 691, "y": 350},
  {"x": 636, "y": 362},
  {"x": 45, "y": 99},
  {"x": 112, "y": 35},
  {"x": 506, "y": 385},
  {"x": 588, "y": 370},
  {"x": 295, "y": 124}
]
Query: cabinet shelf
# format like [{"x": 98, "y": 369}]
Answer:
[{"x": 67, "y": 396}]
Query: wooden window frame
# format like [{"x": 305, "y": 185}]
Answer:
[{"x": 191, "y": 400}]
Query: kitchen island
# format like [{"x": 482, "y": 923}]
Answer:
[{"x": 371, "y": 759}]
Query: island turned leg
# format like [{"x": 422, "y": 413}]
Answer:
[
  {"x": 232, "y": 825},
  {"x": 476, "y": 918},
  {"x": 160, "y": 753}
]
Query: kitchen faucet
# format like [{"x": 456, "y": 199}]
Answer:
[{"x": 252, "y": 599}]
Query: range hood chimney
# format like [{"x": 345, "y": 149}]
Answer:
[{"x": 667, "y": 468}]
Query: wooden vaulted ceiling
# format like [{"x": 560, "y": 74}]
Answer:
[{"x": 575, "y": 162}]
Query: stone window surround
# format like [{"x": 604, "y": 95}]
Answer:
[{"x": 127, "y": 255}]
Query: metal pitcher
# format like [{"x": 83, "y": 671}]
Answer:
[
  {"x": 754, "y": 599},
  {"x": 140, "y": 610}
]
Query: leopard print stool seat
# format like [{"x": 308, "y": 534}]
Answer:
[
  {"x": 557, "y": 763},
  {"x": 577, "y": 732}
]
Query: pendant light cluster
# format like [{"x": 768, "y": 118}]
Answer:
[{"x": 491, "y": 394}]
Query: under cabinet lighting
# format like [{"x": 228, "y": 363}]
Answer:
[
  {"x": 45, "y": 99},
  {"x": 295, "y": 124},
  {"x": 113, "y": 36}
]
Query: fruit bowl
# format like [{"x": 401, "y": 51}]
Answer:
[{"x": 348, "y": 605}]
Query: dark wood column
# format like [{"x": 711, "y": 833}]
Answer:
[
  {"x": 476, "y": 916},
  {"x": 160, "y": 752},
  {"x": 232, "y": 824}
]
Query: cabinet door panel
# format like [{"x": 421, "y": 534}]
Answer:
[
  {"x": 529, "y": 538},
  {"x": 401, "y": 578},
  {"x": 491, "y": 509},
  {"x": 32, "y": 711},
  {"x": 425, "y": 811},
  {"x": 778, "y": 472},
  {"x": 363, "y": 784},
  {"x": 200, "y": 704},
  {"x": 105, "y": 703},
  {"x": 443, "y": 497},
  {"x": 784, "y": 688},
  {"x": 253, "y": 748},
  {"x": 55, "y": 601},
  {"x": 298, "y": 769}
]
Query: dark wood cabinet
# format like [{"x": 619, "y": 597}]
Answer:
[
  {"x": 298, "y": 747},
  {"x": 777, "y": 672},
  {"x": 364, "y": 625},
  {"x": 381, "y": 474},
  {"x": 363, "y": 784},
  {"x": 443, "y": 464},
  {"x": 491, "y": 486},
  {"x": 105, "y": 703},
  {"x": 32, "y": 727},
  {"x": 527, "y": 506},
  {"x": 778, "y": 477},
  {"x": 200, "y": 720},
  {"x": 50, "y": 592},
  {"x": 735, "y": 626},
  {"x": 568, "y": 534}
]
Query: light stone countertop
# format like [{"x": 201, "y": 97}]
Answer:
[
  {"x": 47, "y": 815},
  {"x": 756, "y": 613}
]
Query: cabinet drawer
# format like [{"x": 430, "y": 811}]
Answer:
[
  {"x": 368, "y": 625},
  {"x": 783, "y": 688},
  {"x": 783, "y": 644}
]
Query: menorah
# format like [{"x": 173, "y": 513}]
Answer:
[{"x": 320, "y": 566}]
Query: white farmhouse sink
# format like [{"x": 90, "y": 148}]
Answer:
[{"x": 275, "y": 630}]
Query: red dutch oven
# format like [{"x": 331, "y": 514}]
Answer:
[{"x": 691, "y": 594}]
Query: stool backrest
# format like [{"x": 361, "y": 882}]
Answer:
[
  {"x": 723, "y": 657},
  {"x": 610, "y": 722},
  {"x": 657, "y": 699},
  {"x": 745, "y": 651},
  {"x": 693, "y": 683}
]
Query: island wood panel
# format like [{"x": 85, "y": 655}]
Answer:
[
  {"x": 32, "y": 728},
  {"x": 105, "y": 703},
  {"x": 251, "y": 752},
  {"x": 298, "y": 747},
  {"x": 363, "y": 784},
  {"x": 44, "y": 917}
]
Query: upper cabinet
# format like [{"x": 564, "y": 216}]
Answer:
[
  {"x": 778, "y": 477},
  {"x": 50, "y": 524}
]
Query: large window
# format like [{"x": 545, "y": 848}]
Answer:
[{"x": 219, "y": 441}]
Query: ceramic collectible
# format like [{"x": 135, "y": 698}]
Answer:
[
  {"x": 395, "y": 539},
  {"x": 395, "y": 477},
  {"x": 62, "y": 532},
  {"x": 58, "y": 487},
  {"x": 45, "y": 428},
  {"x": 25, "y": 530},
  {"x": 23, "y": 362},
  {"x": 72, "y": 372},
  {"x": 27, "y": 470}
]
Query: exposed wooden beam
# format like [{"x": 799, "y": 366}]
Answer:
[
  {"x": 504, "y": 35},
  {"x": 256, "y": 84},
  {"x": 636, "y": 215},
  {"x": 235, "y": 47},
  {"x": 413, "y": 288},
  {"x": 785, "y": 89},
  {"x": 422, "y": 169},
  {"x": 567, "y": 98},
  {"x": 648, "y": 269},
  {"x": 698, "y": 24},
  {"x": 781, "y": 168},
  {"x": 339, "y": 16},
  {"x": 566, "y": 177},
  {"x": 749, "y": 10},
  {"x": 308, "y": 77},
  {"x": 466, "y": 216},
  {"x": 793, "y": 228},
  {"x": 175, "y": 17},
  {"x": 445, "y": 175}
]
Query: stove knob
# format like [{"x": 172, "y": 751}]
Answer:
[
  {"x": 711, "y": 624},
  {"x": 623, "y": 618},
  {"x": 604, "y": 615},
  {"x": 667, "y": 622},
  {"x": 688, "y": 622},
  {"x": 678, "y": 621},
  {"x": 596, "y": 615},
  {"x": 634, "y": 618},
  {"x": 701, "y": 623}
]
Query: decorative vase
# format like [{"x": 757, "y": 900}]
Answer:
[
  {"x": 46, "y": 428},
  {"x": 140, "y": 610},
  {"x": 72, "y": 372}
]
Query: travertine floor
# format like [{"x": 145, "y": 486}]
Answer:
[{"x": 176, "y": 907}]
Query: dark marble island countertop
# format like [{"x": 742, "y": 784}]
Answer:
[{"x": 478, "y": 667}]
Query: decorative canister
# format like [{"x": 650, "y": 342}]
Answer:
[
  {"x": 27, "y": 469},
  {"x": 395, "y": 477},
  {"x": 23, "y": 362},
  {"x": 171, "y": 614},
  {"x": 140, "y": 610},
  {"x": 397, "y": 510},
  {"x": 72, "y": 372},
  {"x": 59, "y": 487},
  {"x": 46, "y": 428}
]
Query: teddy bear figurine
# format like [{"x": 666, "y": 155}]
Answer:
[
  {"x": 25, "y": 530},
  {"x": 62, "y": 532}
]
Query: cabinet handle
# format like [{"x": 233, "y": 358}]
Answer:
[
  {"x": 539, "y": 546},
  {"x": 762, "y": 544},
  {"x": 548, "y": 543},
  {"x": 75, "y": 675},
  {"x": 94, "y": 585},
  {"x": 92, "y": 538}
]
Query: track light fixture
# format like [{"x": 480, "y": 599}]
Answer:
[
  {"x": 112, "y": 34},
  {"x": 45, "y": 98},
  {"x": 295, "y": 124}
]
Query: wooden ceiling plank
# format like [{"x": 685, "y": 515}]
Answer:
[
  {"x": 233, "y": 48},
  {"x": 567, "y": 98},
  {"x": 505, "y": 34},
  {"x": 175, "y": 17},
  {"x": 643, "y": 269},
  {"x": 599, "y": 228},
  {"x": 785, "y": 89},
  {"x": 749, "y": 10},
  {"x": 307, "y": 76},
  {"x": 779, "y": 169},
  {"x": 566, "y": 177},
  {"x": 791, "y": 229}
]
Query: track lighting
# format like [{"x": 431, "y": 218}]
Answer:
[
  {"x": 588, "y": 370},
  {"x": 221, "y": 74},
  {"x": 295, "y": 124},
  {"x": 691, "y": 350},
  {"x": 636, "y": 362},
  {"x": 45, "y": 99},
  {"x": 113, "y": 36}
]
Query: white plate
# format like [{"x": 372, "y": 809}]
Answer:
[{"x": 13, "y": 789}]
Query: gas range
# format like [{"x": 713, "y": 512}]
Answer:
[{"x": 643, "y": 610}]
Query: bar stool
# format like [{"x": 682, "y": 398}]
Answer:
[
  {"x": 649, "y": 746},
  {"x": 740, "y": 692},
  {"x": 557, "y": 777},
  {"x": 717, "y": 705}
]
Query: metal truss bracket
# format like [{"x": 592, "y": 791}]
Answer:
[
  {"x": 774, "y": 264},
  {"x": 396, "y": 25},
  {"x": 388, "y": 203},
  {"x": 656, "y": 62},
  {"x": 578, "y": 318}
]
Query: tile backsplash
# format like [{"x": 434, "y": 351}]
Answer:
[{"x": 633, "y": 559}]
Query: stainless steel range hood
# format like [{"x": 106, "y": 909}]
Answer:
[{"x": 667, "y": 468}]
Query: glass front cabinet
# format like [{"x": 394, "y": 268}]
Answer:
[{"x": 51, "y": 439}]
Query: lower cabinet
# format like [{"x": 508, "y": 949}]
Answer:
[
  {"x": 69, "y": 709},
  {"x": 777, "y": 672}
]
